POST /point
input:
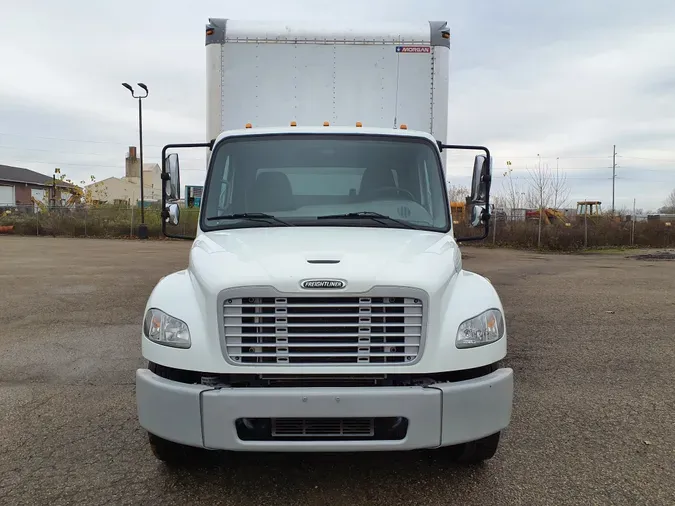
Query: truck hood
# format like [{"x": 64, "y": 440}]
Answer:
[{"x": 284, "y": 256}]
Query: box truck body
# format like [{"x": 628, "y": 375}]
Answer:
[
  {"x": 288, "y": 73},
  {"x": 324, "y": 306}
]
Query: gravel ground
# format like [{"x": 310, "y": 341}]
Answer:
[{"x": 591, "y": 342}]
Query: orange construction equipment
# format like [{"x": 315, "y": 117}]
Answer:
[
  {"x": 458, "y": 212},
  {"x": 548, "y": 216}
]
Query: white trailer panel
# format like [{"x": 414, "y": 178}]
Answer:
[{"x": 269, "y": 74}]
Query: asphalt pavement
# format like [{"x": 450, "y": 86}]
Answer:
[{"x": 591, "y": 340}]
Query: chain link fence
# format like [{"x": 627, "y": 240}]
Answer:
[
  {"x": 575, "y": 233},
  {"x": 90, "y": 221},
  {"x": 109, "y": 221}
]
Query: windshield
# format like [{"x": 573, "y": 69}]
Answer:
[{"x": 317, "y": 180}]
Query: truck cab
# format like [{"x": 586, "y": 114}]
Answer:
[{"x": 324, "y": 306}]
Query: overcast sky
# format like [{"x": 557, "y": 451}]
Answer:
[{"x": 566, "y": 81}]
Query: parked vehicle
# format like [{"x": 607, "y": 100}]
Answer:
[{"x": 324, "y": 306}]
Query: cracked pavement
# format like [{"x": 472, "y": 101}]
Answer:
[{"x": 590, "y": 339}]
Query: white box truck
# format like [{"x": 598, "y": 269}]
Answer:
[{"x": 324, "y": 306}]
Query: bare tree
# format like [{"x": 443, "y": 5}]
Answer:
[
  {"x": 499, "y": 201},
  {"x": 669, "y": 207},
  {"x": 513, "y": 195},
  {"x": 540, "y": 188},
  {"x": 540, "y": 192},
  {"x": 458, "y": 193},
  {"x": 559, "y": 189}
]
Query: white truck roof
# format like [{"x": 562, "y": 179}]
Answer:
[
  {"x": 269, "y": 73},
  {"x": 235, "y": 30}
]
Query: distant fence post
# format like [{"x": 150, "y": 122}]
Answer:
[
  {"x": 494, "y": 230},
  {"x": 85, "y": 221},
  {"x": 131, "y": 230},
  {"x": 37, "y": 222}
]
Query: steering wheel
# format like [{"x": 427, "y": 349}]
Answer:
[{"x": 395, "y": 189}]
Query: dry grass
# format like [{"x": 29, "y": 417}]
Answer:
[
  {"x": 105, "y": 221},
  {"x": 113, "y": 222},
  {"x": 558, "y": 237}
]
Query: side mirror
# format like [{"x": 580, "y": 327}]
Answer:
[
  {"x": 173, "y": 214},
  {"x": 172, "y": 169},
  {"x": 480, "y": 184},
  {"x": 478, "y": 203}
]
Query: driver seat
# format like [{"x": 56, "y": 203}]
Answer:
[{"x": 373, "y": 179}]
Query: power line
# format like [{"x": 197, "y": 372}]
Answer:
[
  {"x": 87, "y": 153},
  {"x": 66, "y": 164},
  {"x": 90, "y": 141},
  {"x": 450, "y": 153},
  {"x": 666, "y": 160}
]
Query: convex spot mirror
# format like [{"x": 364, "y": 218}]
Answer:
[
  {"x": 477, "y": 215},
  {"x": 172, "y": 169},
  {"x": 173, "y": 215}
]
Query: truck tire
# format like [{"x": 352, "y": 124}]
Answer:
[
  {"x": 475, "y": 452},
  {"x": 172, "y": 454}
]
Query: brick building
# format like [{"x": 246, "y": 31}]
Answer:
[{"x": 18, "y": 185}]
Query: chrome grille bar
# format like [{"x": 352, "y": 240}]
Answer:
[{"x": 322, "y": 330}]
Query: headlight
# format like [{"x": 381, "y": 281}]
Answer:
[
  {"x": 161, "y": 328},
  {"x": 485, "y": 328}
]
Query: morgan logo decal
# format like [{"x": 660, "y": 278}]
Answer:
[
  {"x": 413, "y": 49},
  {"x": 322, "y": 284}
]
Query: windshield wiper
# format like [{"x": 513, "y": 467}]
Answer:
[
  {"x": 265, "y": 218},
  {"x": 380, "y": 218}
]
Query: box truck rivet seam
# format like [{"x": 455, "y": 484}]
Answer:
[{"x": 324, "y": 305}]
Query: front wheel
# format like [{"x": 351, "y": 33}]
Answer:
[
  {"x": 475, "y": 452},
  {"x": 173, "y": 454}
]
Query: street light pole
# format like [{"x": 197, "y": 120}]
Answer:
[{"x": 142, "y": 228}]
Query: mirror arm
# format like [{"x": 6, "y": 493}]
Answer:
[
  {"x": 442, "y": 146},
  {"x": 166, "y": 177},
  {"x": 486, "y": 229}
]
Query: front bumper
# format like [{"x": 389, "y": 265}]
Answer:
[{"x": 441, "y": 414}]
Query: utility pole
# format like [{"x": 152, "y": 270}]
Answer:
[
  {"x": 541, "y": 213},
  {"x": 585, "y": 207},
  {"x": 632, "y": 226},
  {"x": 541, "y": 201},
  {"x": 613, "y": 175}
]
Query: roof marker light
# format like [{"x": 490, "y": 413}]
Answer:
[
  {"x": 325, "y": 123},
  {"x": 248, "y": 125},
  {"x": 359, "y": 124},
  {"x": 293, "y": 123},
  {"x": 403, "y": 126}
]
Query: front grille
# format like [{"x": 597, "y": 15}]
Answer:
[
  {"x": 323, "y": 427},
  {"x": 323, "y": 330}
]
